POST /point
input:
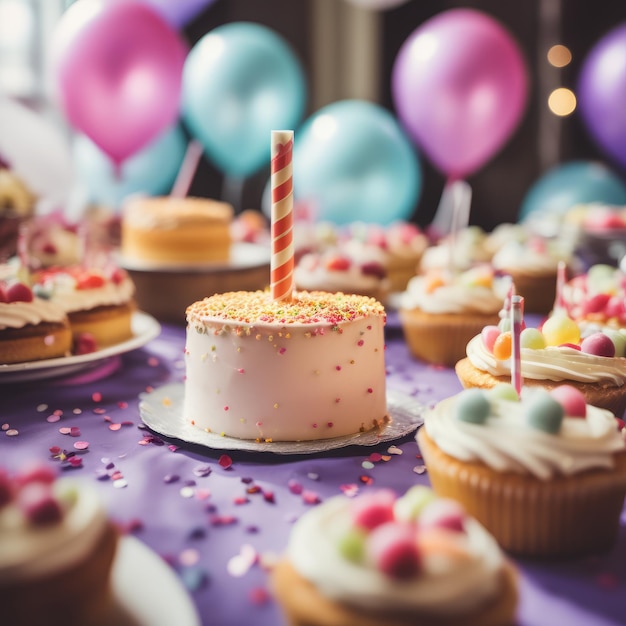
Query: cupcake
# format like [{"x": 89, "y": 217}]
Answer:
[
  {"x": 545, "y": 474},
  {"x": 98, "y": 302},
  {"x": 17, "y": 205},
  {"x": 533, "y": 266},
  {"x": 557, "y": 354},
  {"x": 441, "y": 311},
  {"x": 351, "y": 267},
  {"x": 31, "y": 328},
  {"x": 380, "y": 560},
  {"x": 462, "y": 250},
  {"x": 57, "y": 548},
  {"x": 401, "y": 243},
  {"x": 596, "y": 297}
]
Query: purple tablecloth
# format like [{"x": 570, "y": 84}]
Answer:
[{"x": 184, "y": 504}]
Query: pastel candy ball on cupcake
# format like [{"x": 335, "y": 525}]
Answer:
[{"x": 557, "y": 353}]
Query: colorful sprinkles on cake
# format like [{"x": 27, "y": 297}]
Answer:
[{"x": 248, "y": 309}]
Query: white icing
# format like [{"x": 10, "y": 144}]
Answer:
[
  {"x": 505, "y": 442},
  {"x": 27, "y": 551},
  {"x": 19, "y": 314},
  {"x": 446, "y": 588},
  {"x": 313, "y": 274},
  {"x": 551, "y": 363},
  {"x": 456, "y": 296},
  {"x": 528, "y": 259},
  {"x": 64, "y": 293}
]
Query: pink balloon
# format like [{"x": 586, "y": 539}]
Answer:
[
  {"x": 459, "y": 86},
  {"x": 118, "y": 71}
]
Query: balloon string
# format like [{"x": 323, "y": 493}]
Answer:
[{"x": 187, "y": 169}]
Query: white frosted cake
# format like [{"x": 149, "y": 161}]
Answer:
[{"x": 312, "y": 367}]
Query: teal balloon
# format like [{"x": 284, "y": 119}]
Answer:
[
  {"x": 353, "y": 162},
  {"x": 240, "y": 82},
  {"x": 151, "y": 171},
  {"x": 576, "y": 182}
]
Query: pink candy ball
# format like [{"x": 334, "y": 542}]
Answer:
[
  {"x": 372, "y": 510},
  {"x": 598, "y": 344},
  {"x": 489, "y": 335},
  {"x": 392, "y": 548},
  {"x": 571, "y": 399},
  {"x": 443, "y": 513}
]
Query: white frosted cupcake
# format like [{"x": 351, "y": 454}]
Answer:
[
  {"x": 387, "y": 561},
  {"x": 440, "y": 311},
  {"x": 546, "y": 474}
]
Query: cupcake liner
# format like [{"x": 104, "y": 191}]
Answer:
[
  {"x": 538, "y": 291},
  {"x": 303, "y": 605},
  {"x": 565, "y": 516},
  {"x": 441, "y": 339}
]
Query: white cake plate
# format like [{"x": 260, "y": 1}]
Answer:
[{"x": 162, "y": 411}]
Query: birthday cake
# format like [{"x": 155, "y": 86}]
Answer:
[{"x": 305, "y": 368}]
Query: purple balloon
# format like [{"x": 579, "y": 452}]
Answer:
[
  {"x": 118, "y": 70},
  {"x": 179, "y": 12},
  {"x": 459, "y": 85},
  {"x": 602, "y": 93}
]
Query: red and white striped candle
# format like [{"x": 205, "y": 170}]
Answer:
[
  {"x": 282, "y": 259},
  {"x": 517, "y": 319}
]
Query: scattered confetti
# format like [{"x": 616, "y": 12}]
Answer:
[
  {"x": 349, "y": 490},
  {"x": 366, "y": 480},
  {"x": 96, "y": 396},
  {"x": 310, "y": 497},
  {"x": 202, "y": 470},
  {"x": 419, "y": 469},
  {"x": 171, "y": 478},
  {"x": 367, "y": 465},
  {"x": 187, "y": 492},
  {"x": 6, "y": 426},
  {"x": 51, "y": 419},
  {"x": 313, "y": 476},
  {"x": 268, "y": 496},
  {"x": 222, "y": 520},
  {"x": 12, "y": 432},
  {"x": 240, "y": 564},
  {"x": 81, "y": 445},
  {"x": 394, "y": 450},
  {"x": 115, "y": 427},
  {"x": 194, "y": 578},
  {"x": 294, "y": 486},
  {"x": 189, "y": 557},
  {"x": 259, "y": 596},
  {"x": 225, "y": 461},
  {"x": 375, "y": 457},
  {"x": 120, "y": 483},
  {"x": 41, "y": 408}
]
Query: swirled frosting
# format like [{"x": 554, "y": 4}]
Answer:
[
  {"x": 475, "y": 291},
  {"x": 352, "y": 268},
  {"x": 551, "y": 363},
  {"x": 27, "y": 551},
  {"x": 63, "y": 289},
  {"x": 531, "y": 258},
  {"x": 505, "y": 441},
  {"x": 444, "y": 586},
  {"x": 20, "y": 314}
]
